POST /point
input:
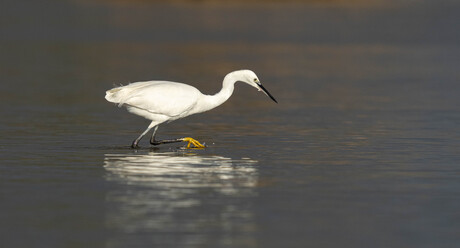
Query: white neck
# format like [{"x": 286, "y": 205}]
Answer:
[{"x": 212, "y": 101}]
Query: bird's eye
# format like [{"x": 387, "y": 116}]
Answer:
[{"x": 255, "y": 80}]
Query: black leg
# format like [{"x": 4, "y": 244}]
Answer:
[
  {"x": 159, "y": 142},
  {"x": 152, "y": 139},
  {"x": 136, "y": 141}
]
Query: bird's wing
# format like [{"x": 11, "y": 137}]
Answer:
[{"x": 162, "y": 97}]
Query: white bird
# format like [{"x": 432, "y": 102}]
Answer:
[{"x": 164, "y": 101}]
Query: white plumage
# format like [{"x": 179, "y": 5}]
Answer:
[
  {"x": 155, "y": 100},
  {"x": 164, "y": 101}
]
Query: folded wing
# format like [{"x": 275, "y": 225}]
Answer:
[{"x": 157, "y": 97}]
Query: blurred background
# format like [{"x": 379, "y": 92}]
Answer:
[{"x": 361, "y": 151}]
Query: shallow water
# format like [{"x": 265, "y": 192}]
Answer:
[{"x": 361, "y": 151}]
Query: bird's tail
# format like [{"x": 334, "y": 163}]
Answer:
[{"x": 114, "y": 95}]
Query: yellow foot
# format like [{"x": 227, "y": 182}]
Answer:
[{"x": 193, "y": 141}]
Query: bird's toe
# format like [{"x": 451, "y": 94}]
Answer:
[{"x": 194, "y": 142}]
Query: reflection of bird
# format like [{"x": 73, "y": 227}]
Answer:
[{"x": 163, "y": 101}]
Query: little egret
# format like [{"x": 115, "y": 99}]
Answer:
[{"x": 164, "y": 101}]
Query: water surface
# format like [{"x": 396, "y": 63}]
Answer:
[{"x": 361, "y": 151}]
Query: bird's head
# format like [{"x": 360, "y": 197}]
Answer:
[{"x": 249, "y": 77}]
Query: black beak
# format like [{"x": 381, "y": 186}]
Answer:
[{"x": 266, "y": 92}]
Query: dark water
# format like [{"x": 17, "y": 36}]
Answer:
[{"x": 361, "y": 151}]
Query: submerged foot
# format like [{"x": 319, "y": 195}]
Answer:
[
  {"x": 192, "y": 141},
  {"x": 135, "y": 146}
]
